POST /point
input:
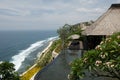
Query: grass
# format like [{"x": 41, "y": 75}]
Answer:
[
  {"x": 47, "y": 56},
  {"x": 58, "y": 48},
  {"x": 30, "y": 73},
  {"x": 58, "y": 45}
]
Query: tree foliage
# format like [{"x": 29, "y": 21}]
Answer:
[
  {"x": 7, "y": 71},
  {"x": 103, "y": 61},
  {"x": 66, "y": 31}
]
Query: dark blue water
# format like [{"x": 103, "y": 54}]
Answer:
[{"x": 26, "y": 43}]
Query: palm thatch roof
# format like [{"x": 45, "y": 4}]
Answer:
[{"x": 107, "y": 24}]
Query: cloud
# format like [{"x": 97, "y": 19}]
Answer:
[
  {"x": 93, "y": 10},
  {"x": 118, "y": 1},
  {"x": 8, "y": 12},
  {"x": 13, "y": 12},
  {"x": 49, "y": 13},
  {"x": 88, "y": 2}
]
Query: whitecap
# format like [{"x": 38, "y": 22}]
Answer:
[
  {"x": 52, "y": 38},
  {"x": 20, "y": 57}
]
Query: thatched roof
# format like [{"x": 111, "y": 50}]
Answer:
[{"x": 107, "y": 24}]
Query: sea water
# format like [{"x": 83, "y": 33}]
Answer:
[{"x": 22, "y": 47}]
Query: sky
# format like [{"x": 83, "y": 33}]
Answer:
[{"x": 49, "y": 14}]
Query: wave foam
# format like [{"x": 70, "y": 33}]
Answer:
[{"x": 20, "y": 57}]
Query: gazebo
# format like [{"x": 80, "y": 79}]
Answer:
[
  {"x": 75, "y": 43},
  {"x": 104, "y": 26}
]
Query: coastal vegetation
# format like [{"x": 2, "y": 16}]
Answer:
[
  {"x": 58, "y": 46},
  {"x": 47, "y": 55},
  {"x": 43, "y": 60},
  {"x": 103, "y": 61},
  {"x": 68, "y": 30},
  {"x": 7, "y": 71}
]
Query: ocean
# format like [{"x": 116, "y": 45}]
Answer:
[{"x": 22, "y": 47}]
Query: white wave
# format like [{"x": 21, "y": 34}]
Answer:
[
  {"x": 20, "y": 57},
  {"x": 52, "y": 38}
]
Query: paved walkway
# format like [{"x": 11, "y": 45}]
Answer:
[{"x": 57, "y": 70}]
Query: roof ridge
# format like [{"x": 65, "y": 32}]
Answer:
[{"x": 115, "y": 5}]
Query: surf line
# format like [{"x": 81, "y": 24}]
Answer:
[{"x": 20, "y": 57}]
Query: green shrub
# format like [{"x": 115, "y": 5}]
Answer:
[
  {"x": 104, "y": 58},
  {"x": 44, "y": 60},
  {"x": 7, "y": 71}
]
